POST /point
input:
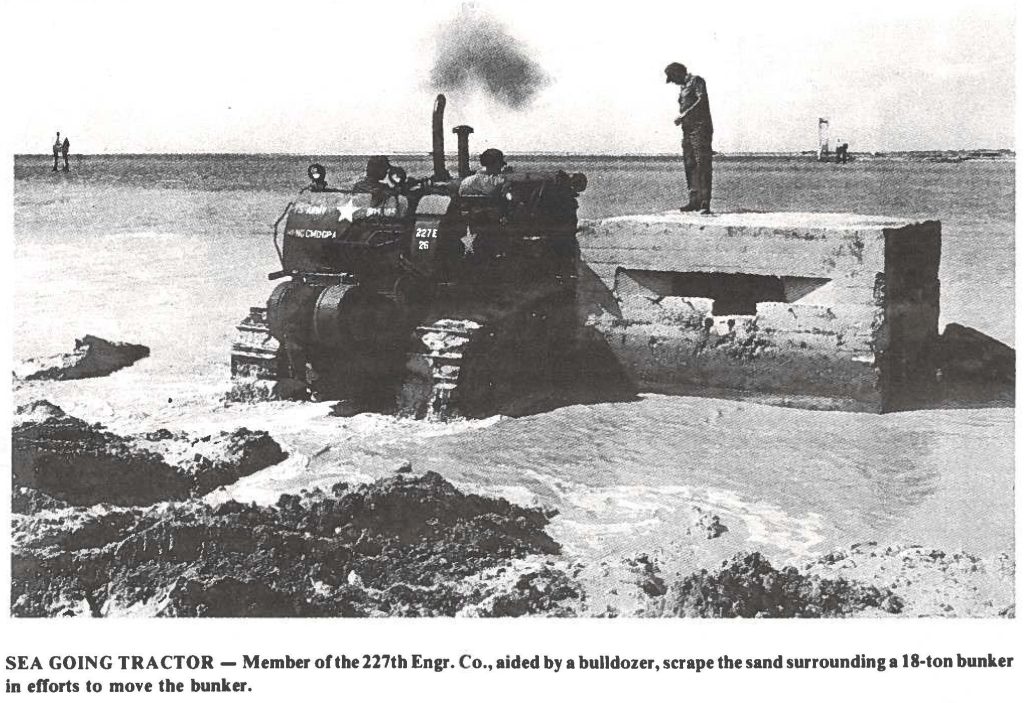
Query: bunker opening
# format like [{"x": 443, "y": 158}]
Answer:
[{"x": 732, "y": 293}]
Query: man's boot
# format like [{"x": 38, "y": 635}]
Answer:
[{"x": 691, "y": 206}]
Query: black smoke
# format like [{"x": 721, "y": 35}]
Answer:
[{"x": 476, "y": 52}]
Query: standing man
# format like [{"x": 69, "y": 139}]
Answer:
[
  {"x": 56, "y": 151},
  {"x": 65, "y": 147},
  {"x": 695, "y": 119}
]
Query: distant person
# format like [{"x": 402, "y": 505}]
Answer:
[
  {"x": 842, "y": 153},
  {"x": 65, "y": 147},
  {"x": 695, "y": 120},
  {"x": 56, "y": 151},
  {"x": 488, "y": 182}
]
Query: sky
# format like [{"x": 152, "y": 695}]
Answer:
[{"x": 317, "y": 77}]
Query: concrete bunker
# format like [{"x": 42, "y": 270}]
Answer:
[{"x": 806, "y": 309}]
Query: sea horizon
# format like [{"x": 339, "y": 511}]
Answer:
[{"x": 976, "y": 152}]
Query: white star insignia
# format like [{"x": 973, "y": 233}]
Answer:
[
  {"x": 348, "y": 211},
  {"x": 467, "y": 242}
]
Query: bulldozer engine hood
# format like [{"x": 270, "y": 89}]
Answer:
[
  {"x": 324, "y": 233},
  {"x": 326, "y": 216}
]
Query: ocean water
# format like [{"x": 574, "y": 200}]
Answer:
[{"x": 170, "y": 251}]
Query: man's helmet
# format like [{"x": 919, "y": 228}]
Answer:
[
  {"x": 492, "y": 159},
  {"x": 377, "y": 167}
]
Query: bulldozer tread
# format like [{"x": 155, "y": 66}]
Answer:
[
  {"x": 254, "y": 352},
  {"x": 437, "y": 370},
  {"x": 504, "y": 365}
]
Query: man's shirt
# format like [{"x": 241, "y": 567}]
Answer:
[
  {"x": 383, "y": 201},
  {"x": 482, "y": 184},
  {"x": 694, "y": 92}
]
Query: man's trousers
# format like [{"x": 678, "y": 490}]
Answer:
[{"x": 697, "y": 163}]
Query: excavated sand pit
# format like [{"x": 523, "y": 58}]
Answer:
[{"x": 115, "y": 525}]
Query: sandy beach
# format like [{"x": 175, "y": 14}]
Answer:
[{"x": 171, "y": 251}]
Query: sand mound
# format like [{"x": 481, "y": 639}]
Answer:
[
  {"x": 400, "y": 546},
  {"x": 748, "y": 586},
  {"x": 931, "y": 582},
  {"x": 28, "y": 501},
  {"x": 214, "y": 460},
  {"x": 91, "y": 357},
  {"x": 72, "y": 461},
  {"x": 38, "y": 411},
  {"x": 965, "y": 354},
  {"x": 83, "y": 464}
]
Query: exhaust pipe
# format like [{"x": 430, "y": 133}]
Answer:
[
  {"x": 462, "y": 132},
  {"x": 440, "y": 172}
]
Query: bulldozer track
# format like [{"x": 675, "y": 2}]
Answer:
[
  {"x": 446, "y": 343},
  {"x": 254, "y": 351}
]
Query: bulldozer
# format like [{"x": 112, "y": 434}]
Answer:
[{"x": 406, "y": 297}]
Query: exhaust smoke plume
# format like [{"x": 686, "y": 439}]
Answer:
[{"x": 475, "y": 51}]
